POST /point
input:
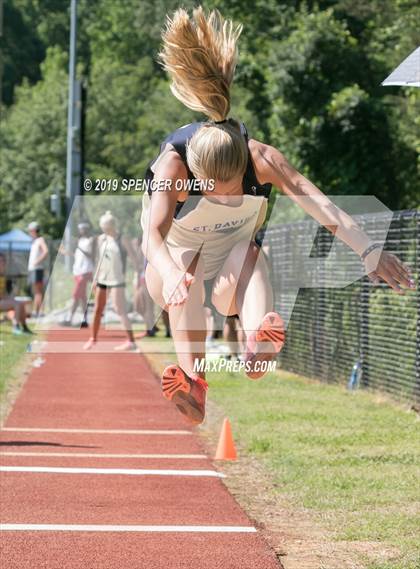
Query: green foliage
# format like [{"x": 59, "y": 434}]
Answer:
[
  {"x": 307, "y": 82},
  {"x": 116, "y": 100},
  {"x": 33, "y": 139},
  {"x": 21, "y": 51},
  {"x": 326, "y": 115}
]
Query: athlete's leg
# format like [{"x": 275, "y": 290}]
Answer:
[
  {"x": 74, "y": 307},
  {"x": 241, "y": 336},
  {"x": 230, "y": 335},
  {"x": 20, "y": 313},
  {"x": 38, "y": 288},
  {"x": 119, "y": 302},
  {"x": 209, "y": 323},
  {"x": 183, "y": 385},
  {"x": 243, "y": 287},
  {"x": 243, "y": 278},
  {"x": 165, "y": 318},
  {"x": 187, "y": 321},
  {"x": 144, "y": 306},
  {"x": 100, "y": 302},
  {"x": 79, "y": 295}
]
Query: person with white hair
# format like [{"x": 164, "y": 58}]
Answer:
[
  {"x": 113, "y": 249},
  {"x": 36, "y": 264},
  {"x": 83, "y": 268}
]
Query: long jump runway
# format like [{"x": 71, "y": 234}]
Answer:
[{"x": 97, "y": 470}]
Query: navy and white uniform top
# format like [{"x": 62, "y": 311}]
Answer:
[{"x": 204, "y": 224}]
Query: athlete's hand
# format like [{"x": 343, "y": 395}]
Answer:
[
  {"x": 389, "y": 269},
  {"x": 175, "y": 286}
]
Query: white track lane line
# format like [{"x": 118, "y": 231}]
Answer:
[
  {"x": 111, "y": 528},
  {"x": 98, "y": 431},
  {"x": 111, "y": 471},
  {"x": 103, "y": 455}
]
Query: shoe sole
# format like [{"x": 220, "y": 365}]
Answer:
[
  {"x": 176, "y": 387},
  {"x": 271, "y": 331}
]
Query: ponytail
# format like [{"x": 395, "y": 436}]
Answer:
[{"x": 200, "y": 54}]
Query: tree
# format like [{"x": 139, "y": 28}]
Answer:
[
  {"x": 327, "y": 116},
  {"x": 33, "y": 146},
  {"x": 21, "y": 49}
]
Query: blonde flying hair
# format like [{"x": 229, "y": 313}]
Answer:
[{"x": 200, "y": 53}]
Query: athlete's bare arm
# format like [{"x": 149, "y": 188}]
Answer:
[
  {"x": 162, "y": 209},
  {"x": 272, "y": 167}
]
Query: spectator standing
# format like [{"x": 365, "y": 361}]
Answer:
[{"x": 36, "y": 265}]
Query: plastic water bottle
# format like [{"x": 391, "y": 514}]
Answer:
[{"x": 355, "y": 376}]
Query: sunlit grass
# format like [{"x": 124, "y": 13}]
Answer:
[
  {"x": 12, "y": 349},
  {"x": 349, "y": 457}
]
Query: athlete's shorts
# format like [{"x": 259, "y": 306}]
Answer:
[
  {"x": 80, "y": 285},
  {"x": 106, "y": 286},
  {"x": 36, "y": 276}
]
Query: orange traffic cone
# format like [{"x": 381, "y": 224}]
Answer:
[{"x": 226, "y": 447}]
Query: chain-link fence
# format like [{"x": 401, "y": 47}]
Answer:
[{"x": 362, "y": 334}]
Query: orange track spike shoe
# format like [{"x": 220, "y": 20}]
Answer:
[
  {"x": 188, "y": 394},
  {"x": 265, "y": 343}
]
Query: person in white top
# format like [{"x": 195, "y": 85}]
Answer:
[
  {"x": 36, "y": 264},
  {"x": 113, "y": 249},
  {"x": 83, "y": 268}
]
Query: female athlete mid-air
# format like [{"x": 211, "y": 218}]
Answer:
[{"x": 199, "y": 242}]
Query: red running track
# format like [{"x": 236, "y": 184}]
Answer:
[{"x": 130, "y": 485}]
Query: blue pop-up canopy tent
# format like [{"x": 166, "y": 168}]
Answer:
[
  {"x": 15, "y": 240},
  {"x": 15, "y": 244}
]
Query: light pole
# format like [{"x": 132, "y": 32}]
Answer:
[{"x": 73, "y": 164}]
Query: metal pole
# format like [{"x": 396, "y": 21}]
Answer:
[
  {"x": 73, "y": 129},
  {"x": 70, "y": 110}
]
